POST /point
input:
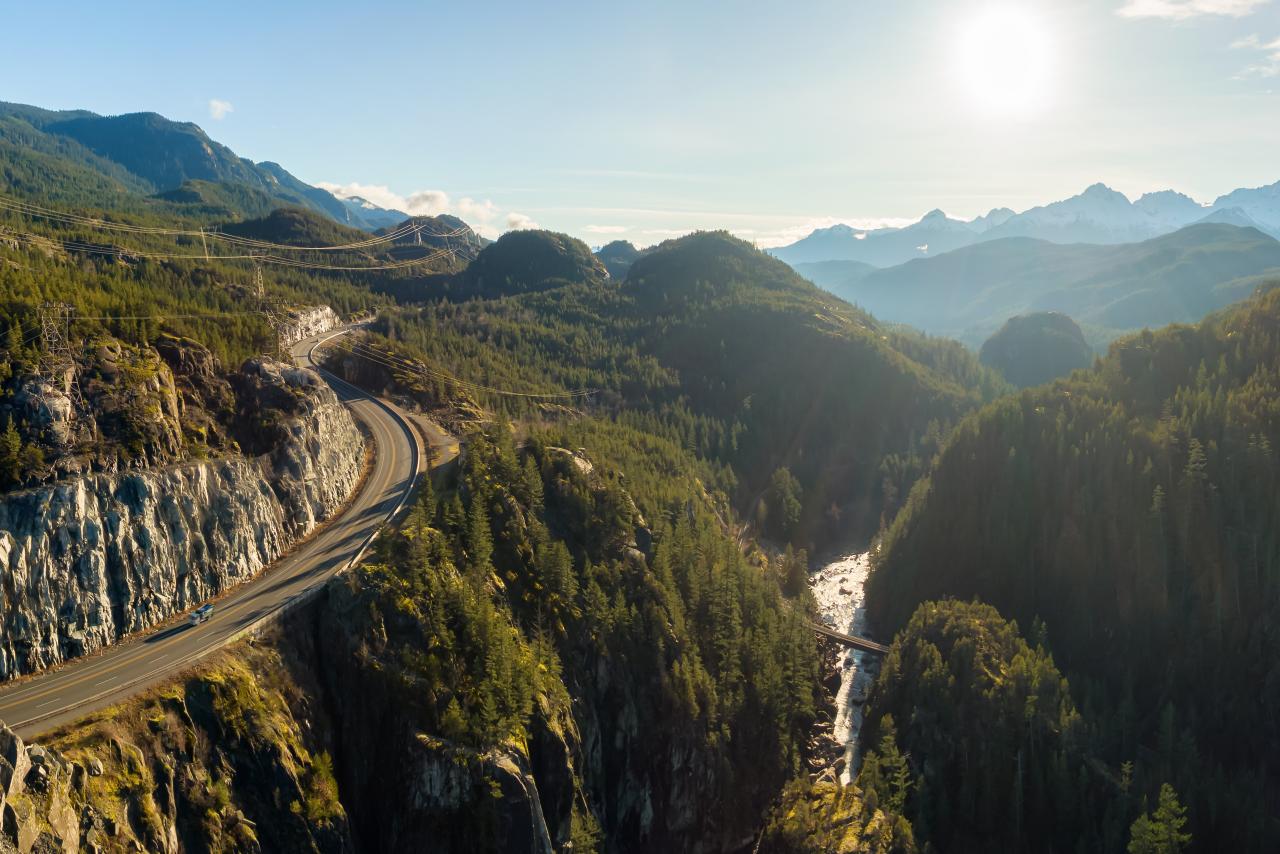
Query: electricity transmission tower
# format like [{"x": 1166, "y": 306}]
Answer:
[
  {"x": 278, "y": 318},
  {"x": 56, "y": 359}
]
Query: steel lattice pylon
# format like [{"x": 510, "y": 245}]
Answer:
[
  {"x": 56, "y": 358},
  {"x": 281, "y": 323}
]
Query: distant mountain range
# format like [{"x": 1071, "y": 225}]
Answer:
[
  {"x": 970, "y": 292},
  {"x": 1099, "y": 215},
  {"x": 63, "y": 156}
]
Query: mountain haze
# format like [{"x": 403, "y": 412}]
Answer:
[
  {"x": 1176, "y": 278},
  {"x": 1097, "y": 215}
]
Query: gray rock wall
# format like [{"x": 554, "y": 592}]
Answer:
[
  {"x": 86, "y": 561},
  {"x": 309, "y": 320}
]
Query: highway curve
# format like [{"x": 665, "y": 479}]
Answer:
[{"x": 41, "y": 702}]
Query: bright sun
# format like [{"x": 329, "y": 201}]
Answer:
[{"x": 1003, "y": 61}]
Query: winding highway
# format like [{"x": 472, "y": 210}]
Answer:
[{"x": 42, "y": 702}]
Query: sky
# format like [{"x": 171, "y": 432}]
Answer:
[{"x": 644, "y": 121}]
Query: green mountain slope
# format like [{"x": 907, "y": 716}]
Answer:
[
  {"x": 591, "y": 616},
  {"x": 728, "y": 352},
  {"x": 1133, "y": 509},
  {"x": 969, "y": 293},
  {"x": 1035, "y": 348},
  {"x": 834, "y": 275},
  {"x": 143, "y": 153},
  {"x": 296, "y": 227},
  {"x": 618, "y": 257},
  {"x": 524, "y": 261}
]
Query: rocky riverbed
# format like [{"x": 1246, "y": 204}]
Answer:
[{"x": 838, "y": 588}]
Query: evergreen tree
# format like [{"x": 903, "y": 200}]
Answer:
[
  {"x": 1161, "y": 832},
  {"x": 479, "y": 535},
  {"x": 10, "y": 450}
]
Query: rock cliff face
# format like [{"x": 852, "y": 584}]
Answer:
[
  {"x": 408, "y": 790},
  {"x": 226, "y": 760},
  {"x": 309, "y": 320},
  {"x": 85, "y": 561},
  {"x": 323, "y": 734}
]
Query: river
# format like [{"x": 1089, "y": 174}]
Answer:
[{"x": 839, "y": 589}]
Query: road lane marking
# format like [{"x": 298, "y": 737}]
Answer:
[
  {"x": 387, "y": 484},
  {"x": 236, "y": 605}
]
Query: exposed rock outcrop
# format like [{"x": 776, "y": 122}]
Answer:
[
  {"x": 37, "y": 797},
  {"x": 305, "y": 321},
  {"x": 85, "y": 561},
  {"x": 138, "y": 407},
  {"x": 224, "y": 760},
  {"x": 405, "y": 789}
]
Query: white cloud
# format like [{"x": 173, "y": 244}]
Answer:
[
  {"x": 1181, "y": 10},
  {"x": 1267, "y": 65},
  {"x": 379, "y": 194},
  {"x": 606, "y": 229},
  {"x": 218, "y": 109},
  {"x": 518, "y": 222},
  {"x": 473, "y": 211},
  {"x": 427, "y": 203},
  {"x": 418, "y": 203}
]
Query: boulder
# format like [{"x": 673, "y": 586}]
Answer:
[{"x": 14, "y": 763}]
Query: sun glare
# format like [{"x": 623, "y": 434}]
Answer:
[{"x": 1002, "y": 62}]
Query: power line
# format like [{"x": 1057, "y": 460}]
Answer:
[
  {"x": 296, "y": 263},
  {"x": 397, "y": 362},
  {"x": 253, "y": 250},
  {"x": 406, "y": 229}
]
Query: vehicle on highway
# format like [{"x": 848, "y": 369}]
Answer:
[{"x": 201, "y": 614}]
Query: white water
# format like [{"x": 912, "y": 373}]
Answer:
[{"x": 838, "y": 587}]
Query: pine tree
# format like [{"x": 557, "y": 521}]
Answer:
[
  {"x": 1161, "y": 832},
  {"x": 479, "y": 536},
  {"x": 533, "y": 485},
  {"x": 10, "y": 448},
  {"x": 555, "y": 566}
]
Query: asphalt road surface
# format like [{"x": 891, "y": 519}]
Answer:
[{"x": 40, "y": 703}]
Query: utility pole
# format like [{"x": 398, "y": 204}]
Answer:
[{"x": 56, "y": 359}]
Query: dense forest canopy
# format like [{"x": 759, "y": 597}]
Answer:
[
  {"x": 723, "y": 350},
  {"x": 669, "y": 407},
  {"x": 508, "y": 594},
  {"x": 1033, "y": 349},
  {"x": 1132, "y": 509}
]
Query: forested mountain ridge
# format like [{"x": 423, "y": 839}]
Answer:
[
  {"x": 1032, "y": 349},
  {"x": 523, "y": 261},
  {"x": 146, "y": 153},
  {"x": 1132, "y": 509},
  {"x": 607, "y": 584},
  {"x": 618, "y": 257},
  {"x": 1176, "y": 278},
  {"x": 819, "y": 411}
]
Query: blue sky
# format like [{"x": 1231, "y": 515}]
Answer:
[{"x": 645, "y": 120}]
